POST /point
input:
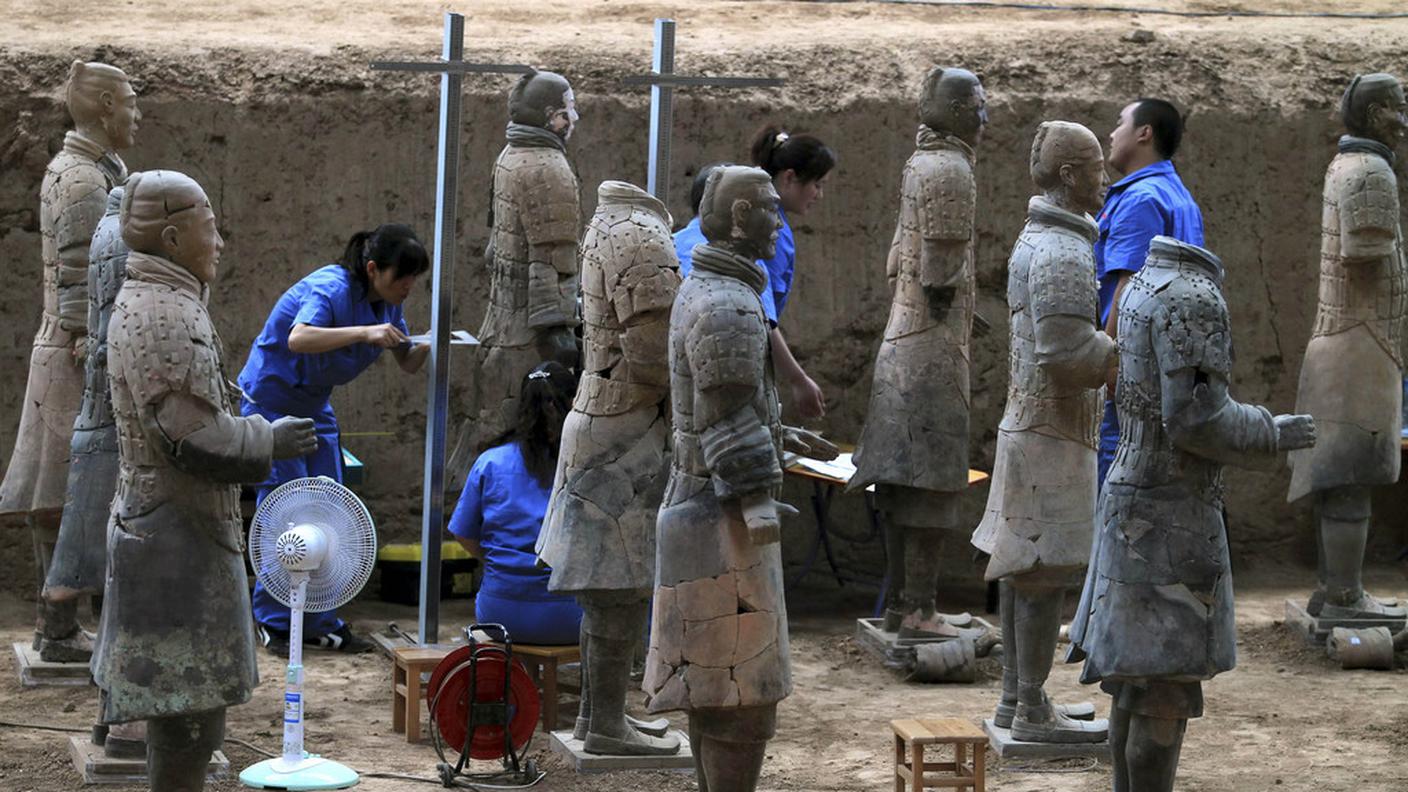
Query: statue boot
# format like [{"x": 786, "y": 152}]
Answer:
[
  {"x": 1036, "y": 625},
  {"x": 179, "y": 748},
  {"x": 1144, "y": 751},
  {"x": 612, "y": 621},
  {"x": 43, "y": 534},
  {"x": 893, "y": 536},
  {"x": 1007, "y": 703},
  {"x": 655, "y": 728},
  {"x": 61, "y": 639},
  {"x": 730, "y": 746},
  {"x": 1344, "y": 533},
  {"x": 126, "y": 740},
  {"x": 923, "y": 550}
]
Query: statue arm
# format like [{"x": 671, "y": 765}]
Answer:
[
  {"x": 892, "y": 260},
  {"x": 946, "y": 222},
  {"x": 204, "y": 440},
  {"x": 552, "y": 223},
  {"x": 73, "y": 237},
  {"x": 1063, "y": 304},
  {"x": 642, "y": 297},
  {"x": 1369, "y": 217}
]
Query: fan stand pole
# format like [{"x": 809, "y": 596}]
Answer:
[{"x": 293, "y": 692}]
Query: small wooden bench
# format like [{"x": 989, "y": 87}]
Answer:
[
  {"x": 410, "y": 662},
  {"x": 961, "y": 773}
]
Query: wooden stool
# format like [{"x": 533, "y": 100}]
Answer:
[
  {"x": 408, "y": 663},
  {"x": 542, "y": 663},
  {"x": 961, "y": 734}
]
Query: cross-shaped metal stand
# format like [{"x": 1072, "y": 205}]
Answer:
[
  {"x": 451, "y": 69},
  {"x": 663, "y": 81}
]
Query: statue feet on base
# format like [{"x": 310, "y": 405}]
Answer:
[
  {"x": 926, "y": 623},
  {"x": 631, "y": 742},
  {"x": 1084, "y": 711},
  {"x": 653, "y": 728},
  {"x": 1365, "y": 607},
  {"x": 1045, "y": 723},
  {"x": 76, "y": 647}
]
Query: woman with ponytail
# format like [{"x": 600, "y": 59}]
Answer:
[
  {"x": 798, "y": 165},
  {"x": 323, "y": 332}
]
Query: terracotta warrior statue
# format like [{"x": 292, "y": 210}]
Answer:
[
  {"x": 1155, "y": 617},
  {"x": 1041, "y": 507},
  {"x": 176, "y": 643},
  {"x": 914, "y": 447},
  {"x": 532, "y": 252},
  {"x": 599, "y": 533},
  {"x": 71, "y": 201},
  {"x": 718, "y": 641},
  {"x": 1352, "y": 377}
]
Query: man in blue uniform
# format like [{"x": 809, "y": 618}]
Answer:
[{"x": 1149, "y": 201}]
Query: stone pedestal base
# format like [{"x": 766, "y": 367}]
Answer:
[
  {"x": 97, "y": 767},
  {"x": 34, "y": 672},
  {"x": 1007, "y": 748},
  {"x": 564, "y": 743},
  {"x": 1317, "y": 630}
]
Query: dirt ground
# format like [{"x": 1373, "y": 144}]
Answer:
[{"x": 1285, "y": 719}]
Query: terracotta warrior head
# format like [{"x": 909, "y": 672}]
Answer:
[
  {"x": 166, "y": 214},
  {"x": 953, "y": 102},
  {"x": 103, "y": 105},
  {"x": 1068, "y": 166},
  {"x": 1373, "y": 107},
  {"x": 739, "y": 211},
  {"x": 544, "y": 99}
]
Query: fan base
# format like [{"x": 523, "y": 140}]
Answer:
[{"x": 313, "y": 772}]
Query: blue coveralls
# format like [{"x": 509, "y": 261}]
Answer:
[
  {"x": 278, "y": 383},
  {"x": 780, "y": 268},
  {"x": 502, "y": 507},
  {"x": 1150, "y": 202}
]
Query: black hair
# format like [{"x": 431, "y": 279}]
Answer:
[
  {"x": 391, "y": 245},
  {"x": 1164, "y": 121},
  {"x": 696, "y": 190},
  {"x": 776, "y": 150},
  {"x": 544, "y": 401}
]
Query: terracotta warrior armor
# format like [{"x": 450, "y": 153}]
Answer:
[
  {"x": 718, "y": 641},
  {"x": 914, "y": 446},
  {"x": 599, "y": 533},
  {"x": 176, "y": 644},
  {"x": 1041, "y": 505},
  {"x": 1352, "y": 376},
  {"x": 533, "y": 249},
  {"x": 72, "y": 199},
  {"x": 79, "y": 563},
  {"x": 1156, "y": 615}
]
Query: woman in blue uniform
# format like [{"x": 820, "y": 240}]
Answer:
[
  {"x": 798, "y": 165},
  {"x": 323, "y": 332},
  {"x": 500, "y": 513}
]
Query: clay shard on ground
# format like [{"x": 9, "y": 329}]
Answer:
[{"x": 1040, "y": 514}]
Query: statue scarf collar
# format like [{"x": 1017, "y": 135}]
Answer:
[{"x": 710, "y": 258}]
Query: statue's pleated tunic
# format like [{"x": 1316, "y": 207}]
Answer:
[
  {"x": 1156, "y": 614},
  {"x": 1351, "y": 380},
  {"x": 72, "y": 199},
  {"x": 719, "y": 634}
]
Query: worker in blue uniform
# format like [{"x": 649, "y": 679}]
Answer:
[
  {"x": 500, "y": 514},
  {"x": 324, "y": 332},
  {"x": 1150, "y": 200}
]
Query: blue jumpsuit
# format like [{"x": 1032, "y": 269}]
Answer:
[
  {"x": 502, "y": 507},
  {"x": 278, "y": 383}
]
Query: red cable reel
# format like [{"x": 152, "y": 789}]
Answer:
[{"x": 482, "y": 666}]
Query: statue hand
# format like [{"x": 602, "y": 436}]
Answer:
[
  {"x": 294, "y": 437},
  {"x": 808, "y": 444},
  {"x": 763, "y": 516},
  {"x": 1294, "y": 431}
]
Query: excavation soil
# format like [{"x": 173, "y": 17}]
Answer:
[{"x": 1285, "y": 719}]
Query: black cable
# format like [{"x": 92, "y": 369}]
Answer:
[
  {"x": 45, "y": 727},
  {"x": 1114, "y": 9}
]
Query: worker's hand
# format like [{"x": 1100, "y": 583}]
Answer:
[
  {"x": 386, "y": 336},
  {"x": 808, "y": 444},
  {"x": 1294, "y": 431},
  {"x": 294, "y": 437},
  {"x": 559, "y": 344},
  {"x": 1112, "y": 375},
  {"x": 763, "y": 516},
  {"x": 807, "y": 397}
]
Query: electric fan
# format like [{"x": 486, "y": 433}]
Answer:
[{"x": 312, "y": 544}]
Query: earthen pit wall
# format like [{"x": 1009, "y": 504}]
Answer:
[{"x": 293, "y": 174}]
